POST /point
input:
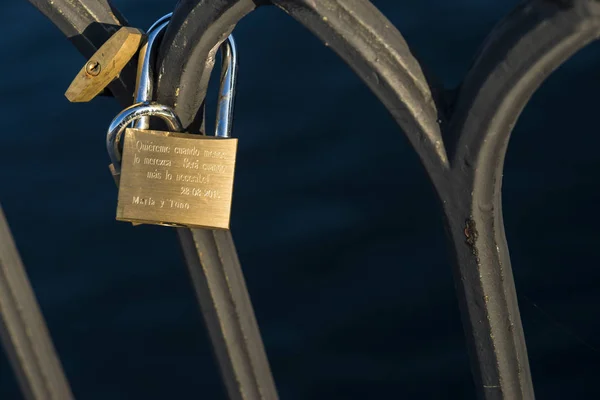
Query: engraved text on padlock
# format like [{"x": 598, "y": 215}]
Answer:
[{"x": 176, "y": 179}]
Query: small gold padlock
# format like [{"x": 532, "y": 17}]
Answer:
[
  {"x": 173, "y": 178},
  {"x": 105, "y": 65}
]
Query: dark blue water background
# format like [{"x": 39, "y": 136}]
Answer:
[{"x": 335, "y": 223}]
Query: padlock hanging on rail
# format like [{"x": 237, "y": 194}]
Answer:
[{"x": 173, "y": 178}]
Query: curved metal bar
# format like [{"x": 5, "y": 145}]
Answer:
[
  {"x": 375, "y": 50},
  {"x": 23, "y": 330},
  {"x": 486, "y": 286},
  {"x": 160, "y": 21},
  {"x": 517, "y": 57},
  {"x": 221, "y": 290},
  {"x": 380, "y": 56},
  {"x": 145, "y": 81}
]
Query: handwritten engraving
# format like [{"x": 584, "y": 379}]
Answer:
[
  {"x": 219, "y": 168},
  {"x": 196, "y": 178},
  {"x": 214, "y": 154},
  {"x": 157, "y": 161},
  {"x": 150, "y": 146},
  {"x": 193, "y": 151},
  {"x": 197, "y": 192},
  {"x": 211, "y": 193},
  {"x": 187, "y": 163},
  {"x": 153, "y": 174},
  {"x": 144, "y": 201},
  {"x": 178, "y": 204}
]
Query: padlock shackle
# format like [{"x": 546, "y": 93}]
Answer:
[
  {"x": 145, "y": 79},
  {"x": 164, "y": 18},
  {"x": 130, "y": 114},
  {"x": 145, "y": 85},
  {"x": 229, "y": 68}
]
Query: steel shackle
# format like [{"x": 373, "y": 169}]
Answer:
[
  {"x": 145, "y": 78},
  {"x": 229, "y": 67},
  {"x": 131, "y": 114},
  {"x": 164, "y": 18}
]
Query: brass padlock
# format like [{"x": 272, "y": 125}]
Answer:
[
  {"x": 172, "y": 178},
  {"x": 105, "y": 65}
]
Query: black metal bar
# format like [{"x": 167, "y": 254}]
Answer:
[
  {"x": 23, "y": 331},
  {"x": 213, "y": 263},
  {"x": 222, "y": 293},
  {"x": 375, "y": 50},
  {"x": 379, "y": 55},
  {"x": 466, "y": 171},
  {"x": 516, "y": 58},
  {"x": 393, "y": 74}
]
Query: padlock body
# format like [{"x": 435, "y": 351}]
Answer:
[{"x": 176, "y": 179}]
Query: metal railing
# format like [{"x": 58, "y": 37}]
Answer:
[{"x": 461, "y": 141}]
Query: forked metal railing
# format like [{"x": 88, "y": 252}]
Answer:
[{"x": 461, "y": 142}]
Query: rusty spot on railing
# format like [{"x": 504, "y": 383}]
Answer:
[{"x": 471, "y": 235}]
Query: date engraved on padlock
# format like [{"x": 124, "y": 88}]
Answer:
[{"x": 176, "y": 179}]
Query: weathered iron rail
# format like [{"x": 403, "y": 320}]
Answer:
[
  {"x": 23, "y": 331},
  {"x": 461, "y": 143}
]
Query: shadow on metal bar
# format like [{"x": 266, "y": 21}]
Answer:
[{"x": 462, "y": 152}]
